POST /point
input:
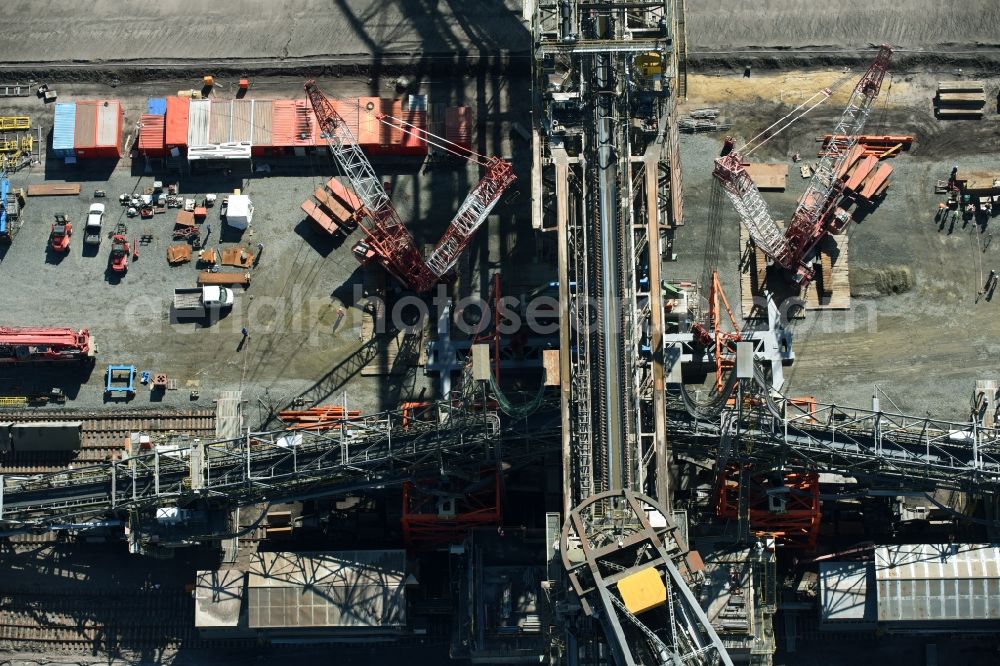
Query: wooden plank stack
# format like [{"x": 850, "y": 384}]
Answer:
[
  {"x": 865, "y": 177},
  {"x": 53, "y": 189},
  {"x": 960, "y": 99},
  {"x": 767, "y": 176},
  {"x": 336, "y": 208}
]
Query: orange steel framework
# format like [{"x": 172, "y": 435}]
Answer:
[
  {"x": 426, "y": 526},
  {"x": 723, "y": 342},
  {"x": 795, "y": 524}
]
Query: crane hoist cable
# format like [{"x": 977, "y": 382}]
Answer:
[
  {"x": 826, "y": 93},
  {"x": 467, "y": 153},
  {"x": 424, "y": 134}
]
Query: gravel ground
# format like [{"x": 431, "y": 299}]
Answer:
[
  {"x": 847, "y": 24},
  {"x": 54, "y": 30},
  {"x": 291, "y": 307},
  {"x": 925, "y": 347}
]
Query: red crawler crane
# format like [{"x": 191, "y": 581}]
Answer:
[
  {"x": 21, "y": 345},
  {"x": 386, "y": 238},
  {"x": 817, "y": 213}
]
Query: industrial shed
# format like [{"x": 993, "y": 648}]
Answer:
[
  {"x": 938, "y": 586},
  {"x": 844, "y": 600},
  {"x": 358, "y": 591},
  {"x": 218, "y": 597}
]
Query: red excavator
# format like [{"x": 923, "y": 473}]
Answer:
[
  {"x": 61, "y": 232},
  {"x": 119, "y": 253},
  {"x": 22, "y": 345}
]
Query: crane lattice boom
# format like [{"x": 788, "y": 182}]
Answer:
[
  {"x": 815, "y": 214},
  {"x": 812, "y": 218},
  {"x": 386, "y": 233},
  {"x": 471, "y": 215},
  {"x": 387, "y": 237}
]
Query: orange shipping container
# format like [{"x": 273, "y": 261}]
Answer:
[
  {"x": 292, "y": 124},
  {"x": 408, "y": 134},
  {"x": 369, "y": 126},
  {"x": 349, "y": 112},
  {"x": 177, "y": 122},
  {"x": 151, "y": 135},
  {"x": 98, "y": 129}
]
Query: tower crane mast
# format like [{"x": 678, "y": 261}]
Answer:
[{"x": 816, "y": 214}]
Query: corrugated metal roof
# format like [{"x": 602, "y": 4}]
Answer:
[
  {"x": 64, "y": 126},
  {"x": 177, "y": 121},
  {"x": 293, "y": 123},
  {"x": 363, "y": 588},
  {"x": 843, "y": 592},
  {"x": 410, "y": 133},
  {"x": 458, "y": 125},
  {"x": 242, "y": 120},
  {"x": 157, "y": 106},
  {"x": 109, "y": 115},
  {"x": 86, "y": 124},
  {"x": 218, "y": 595},
  {"x": 151, "y": 133},
  {"x": 262, "y": 120},
  {"x": 940, "y": 583},
  {"x": 221, "y": 122},
  {"x": 199, "y": 115},
  {"x": 369, "y": 126}
]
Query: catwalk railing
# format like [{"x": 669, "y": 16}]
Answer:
[
  {"x": 279, "y": 465},
  {"x": 883, "y": 447}
]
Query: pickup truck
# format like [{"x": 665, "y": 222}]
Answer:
[
  {"x": 203, "y": 299},
  {"x": 92, "y": 232}
]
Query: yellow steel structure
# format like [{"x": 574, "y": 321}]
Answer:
[
  {"x": 8, "y": 123},
  {"x": 643, "y": 590}
]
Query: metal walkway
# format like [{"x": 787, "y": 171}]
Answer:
[
  {"x": 900, "y": 451},
  {"x": 281, "y": 465}
]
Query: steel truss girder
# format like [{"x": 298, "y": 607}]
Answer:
[
  {"x": 905, "y": 451},
  {"x": 273, "y": 466},
  {"x": 611, "y": 536}
]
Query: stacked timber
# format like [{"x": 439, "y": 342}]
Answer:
[
  {"x": 825, "y": 281},
  {"x": 336, "y": 208},
  {"x": 960, "y": 99},
  {"x": 865, "y": 177}
]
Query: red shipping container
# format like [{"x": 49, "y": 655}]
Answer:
[
  {"x": 292, "y": 124},
  {"x": 414, "y": 139},
  {"x": 458, "y": 127},
  {"x": 98, "y": 129},
  {"x": 152, "y": 131},
  {"x": 369, "y": 126},
  {"x": 349, "y": 112},
  {"x": 409, "y": 131},
  {"x": 176, "y": 135}
]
